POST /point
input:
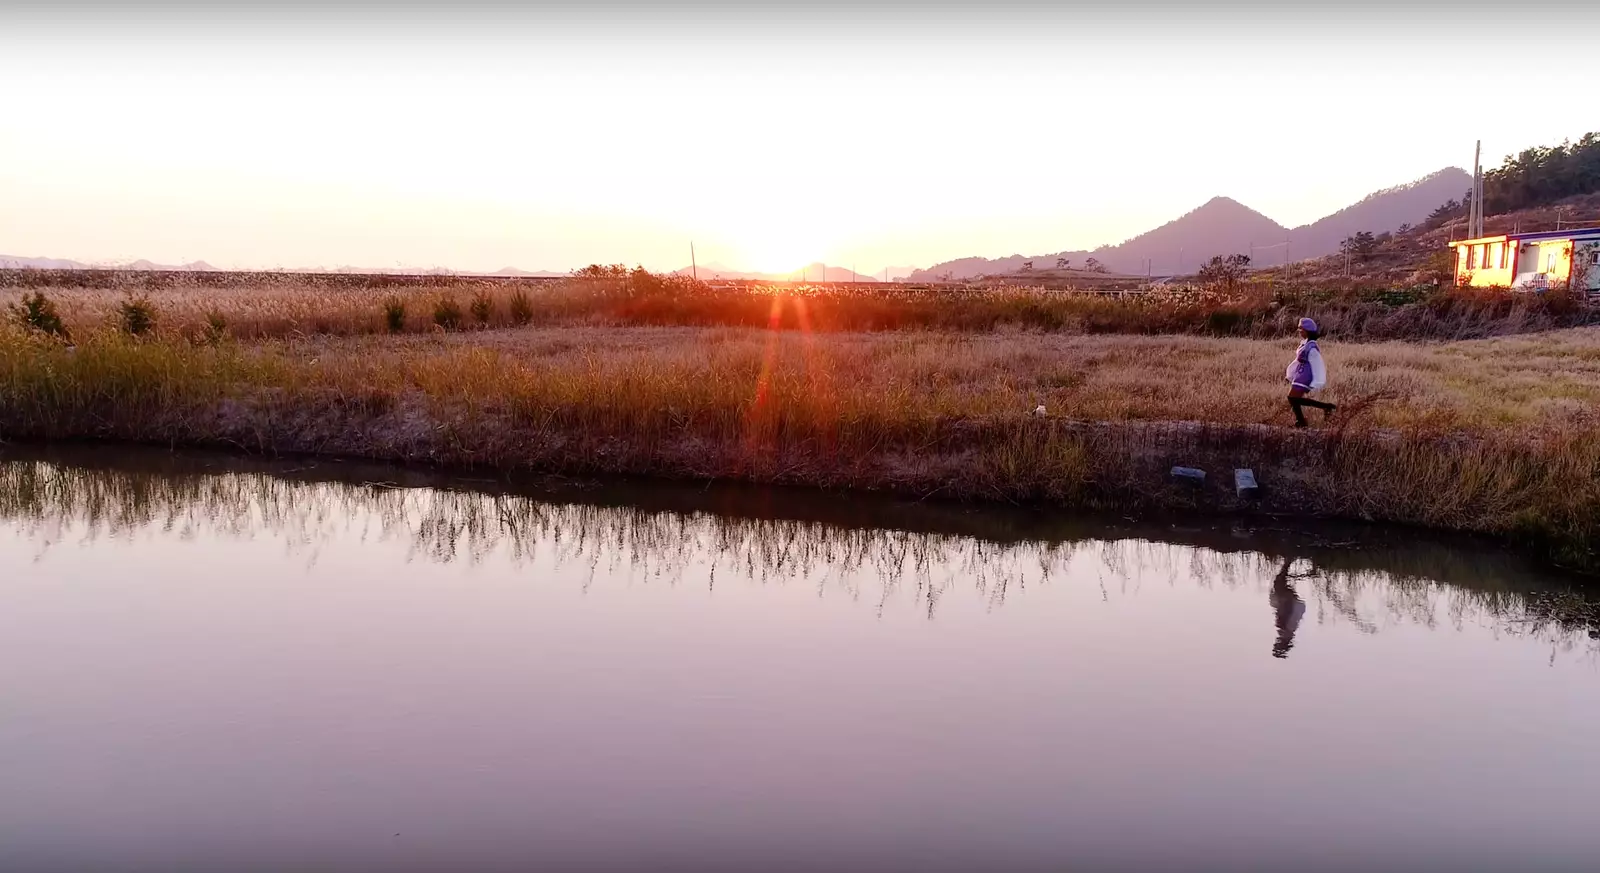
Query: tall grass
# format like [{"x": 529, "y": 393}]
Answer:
[
  {"x": 1494, "y": 437},
  {"x": 290, "y": 306}
]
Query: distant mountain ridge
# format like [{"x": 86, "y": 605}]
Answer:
[
  {"x": 1220, "y": 226},
  {"x": 813, "y": 272},
  {"x": 1223, "y": 226},
  {"x": 12, "y": 262}
]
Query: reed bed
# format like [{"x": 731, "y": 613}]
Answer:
[{"x": 263, "y": 306}]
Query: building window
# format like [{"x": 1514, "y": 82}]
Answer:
[
  {"x": 1505, "y": 255},
  {"x": 1490, "y": 252},
  {"x": 1472, "y": 257}
]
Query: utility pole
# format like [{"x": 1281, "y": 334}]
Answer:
[
  {"x": 1475, "y": 215},
  {"x": 694, "y": 268}
]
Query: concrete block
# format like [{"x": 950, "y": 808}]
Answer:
[
  {"x": 1189, "y": 474},
  {"x": 1244, "y": 482}
]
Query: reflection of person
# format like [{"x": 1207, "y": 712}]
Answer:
[
  {"x": 1306, "y": 374},
  {"x": 1288, "y": 607}
]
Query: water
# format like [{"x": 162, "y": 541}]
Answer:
[{"x": 209, "y": 664}]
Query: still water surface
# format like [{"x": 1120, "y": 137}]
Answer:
[{"x": 209, "y": 664}]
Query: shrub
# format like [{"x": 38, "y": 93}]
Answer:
[
  {"x": 38, "y": 312},
  {"x": 394, "y": 314},
  {"x": 521, "y": 307},
  {"x": 137, "y": 316},
  {"x": 447, "y": 313},
  {"x": 216, "y": 327},
  {"x": 482, "y": 307}
]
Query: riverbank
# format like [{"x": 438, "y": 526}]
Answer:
[{"x": 1493, "y": 437}]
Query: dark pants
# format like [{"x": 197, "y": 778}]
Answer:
[{"x": 1298, "y": 401}]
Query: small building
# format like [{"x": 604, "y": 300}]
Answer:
[{"x": 1541, "y": 260}]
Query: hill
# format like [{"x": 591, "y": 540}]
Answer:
[
  {"x": 13, "y": 262},
  {"x": 1386, "y": 210},
  {"x": 1421, "y": 254},
  {"x": 1224, "y": 226},
  {"x": 815, "y": 272}
]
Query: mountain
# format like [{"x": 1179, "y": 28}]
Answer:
[
  {"x": 809, "y": 273},
  {"x": 517, "y": 272},
  {"x": 1388, "y": 209},
  {"x": 1223, "y": 226},
  {"x": 11, "y": 262}
]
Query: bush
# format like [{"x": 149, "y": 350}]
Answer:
[
  {"x": 38, "y": 312},
  {"x": 1403, "y": 296},
  {"x": 137, "y": 316},
  {"x": 394, "y": 314},
  {"x": 482, "y": 307},
  {"x": 216, "y": 327},
  {"x": 447, "y": 313},
  {"x": 521, "y": 307}
]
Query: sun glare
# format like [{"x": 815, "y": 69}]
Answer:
[{"x": 781, "y": 247}]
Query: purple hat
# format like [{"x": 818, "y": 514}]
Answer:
[{"x": 1308, "y": 325}]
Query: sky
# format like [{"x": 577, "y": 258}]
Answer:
[{"x": 867, "y": 135}]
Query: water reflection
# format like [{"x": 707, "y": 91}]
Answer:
[
  {"x": 1287, "y": 608},
  {"x": 216, "y": 664},
  {"x": 877, "y": 552}
]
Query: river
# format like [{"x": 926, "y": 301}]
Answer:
[{"x": 210, "y": 663}]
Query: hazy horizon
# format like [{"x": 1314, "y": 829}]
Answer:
[{"x": 866, "y": 135}]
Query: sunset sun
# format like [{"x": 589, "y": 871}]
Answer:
[{"x": 781, "y": 246}]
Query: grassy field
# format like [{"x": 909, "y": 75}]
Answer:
[
  {"x": 1496, "y": 436},
  {"x": 271, "y": 306}
]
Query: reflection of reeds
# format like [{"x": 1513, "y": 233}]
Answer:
[{"x": 50, "y": 502}]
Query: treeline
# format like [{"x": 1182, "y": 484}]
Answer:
[{"x": 1535, "y": 177}]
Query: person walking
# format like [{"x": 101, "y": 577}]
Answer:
[{"x": 1305, "y": 374}]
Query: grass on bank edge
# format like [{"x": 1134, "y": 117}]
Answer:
[{"x": 474, "y": 407}]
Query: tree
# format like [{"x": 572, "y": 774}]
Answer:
[
  {"x": 1534, "y": 177},
  {"x": 1094, "y": 266},
  {"x": 1404, "y": 229},
  {"x": 1362, "y": 245},
  {"x": 1061, "y": 263},
  {"x": 1027, "y": 266},
  {"x": 1225, "y": 271}
]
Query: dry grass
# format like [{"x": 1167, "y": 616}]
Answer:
[
  {"x": 279, "y": 306},
  {"x": 1494, "y": 436},
  {"x": 1546, "y": 382}
]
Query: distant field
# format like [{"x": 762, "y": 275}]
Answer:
[{"x": 252, "y": 306}]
